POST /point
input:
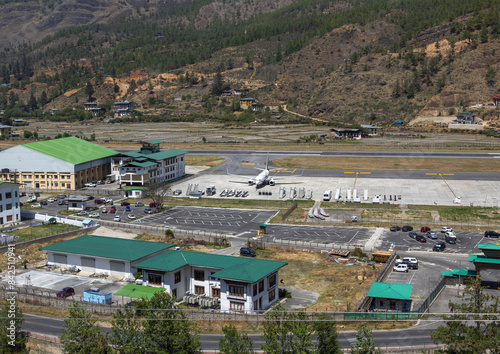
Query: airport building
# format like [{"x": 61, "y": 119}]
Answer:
[
  {"x": 10, "y": 207},
  {"x": 149, "y": 164},
  {"x": 66, "y": 163}
]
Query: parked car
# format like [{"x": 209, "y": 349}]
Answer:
[
  {"x": 450, "y": 238},
  {"x": 43, "y": 202},
  {"x": 152, "y": 205},
  {"x": 61, "y": 196},
  {"x": 131, "y": 216},
  {"x": 425, "y": 229},
  {"x": 82, "y": 213},
  {"x": 51, "y": 200},
  {"x": 409, "y": 264},
  {"x": 177, "y": 192},
  {"x": 431, "y": 234},
  {"x": 420, "y": 238},
  {"x": 112, "y": 211},
  {"x": 65, "y": 292},
  {"x": 127, "y": 208},
  {"x": 117, "y": 218},
  {"x": 446, "y": 229},
  {"x": 395, "y": 228},
  {"x": 139, "y": 204},
  {"x": 247, "y": 252},
  {"x": 32, "y": 199},
  {"x": 124, "y": 203},
  {"x": 104, "y": 210},
  {"x": 100, "y": 182},
  {"x": 407, "y": 259},
  {"x": 37, "y": 205},
  {"x": 412, "y": 234},
  {"x": 401, "y": 267},
  {"x": 407, "y": 228},
  {"x": 148, "y": 211},
  {"x": 89, "y": 197},
  {"x": 99, "y": 201},
  {"x": 108, "y": 200},
  {"x": 94, "y": 215},
  {"x": 89, "y": 184},
  {"x": 491, "y": 234},
  {"x": 61, "y": 202},
  {"x": 438, "y": 247}
]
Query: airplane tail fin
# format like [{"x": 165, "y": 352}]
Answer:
[{"x": 267, "y": 162}]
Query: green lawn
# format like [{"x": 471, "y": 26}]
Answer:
[{"x": 30, "y": 233}]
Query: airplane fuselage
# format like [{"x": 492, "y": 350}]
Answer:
[{"x": 261, "y": 178}]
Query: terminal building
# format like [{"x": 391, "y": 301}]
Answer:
[
  {"x": 66, "y": 163},
  {"x": 10, "y": 208},
  {"x": 149, "y": 164}
]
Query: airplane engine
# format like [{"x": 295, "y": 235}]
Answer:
[
  {"x": 250, "y": 183},
  {"x": 272, "y": 182}
]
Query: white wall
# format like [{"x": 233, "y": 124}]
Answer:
[{"x": 15, "y": 212}]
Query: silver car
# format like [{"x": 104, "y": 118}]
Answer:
[{"x": 431, "y": 234}]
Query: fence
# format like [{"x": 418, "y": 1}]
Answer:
[
  {"x": 26, "y": 215},
  {"x": 288, "y": 212},
  {"x": 434, "y": 293},
  {"x": 93, "y": 191},
  {"x": 382, "y": 316},
  {"x": 311, "y": 246}
]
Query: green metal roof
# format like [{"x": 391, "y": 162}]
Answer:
[
  {"x": 491, "y": 251},
  {"x": 139, "y": 291},
  {"x": 483, "y": 259},
  {"x": 108, "y": 247},
  {"x": 133, "y": 188},
  {"x": 154, "y": 141},
  {"x": 390, "y": 291},
  {"x": 465, "y": 114},
  {"x": 162, "y": 155},
  {"x": 142, "y": 164},
  {"x": 463, "y": 272},
  {"x": 71, "y": 149},
  {"x": 235, "y": 268}
]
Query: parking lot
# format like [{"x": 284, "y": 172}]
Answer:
[
  {"x": 211, "y": 219},
  {"x": 344, "y": 235}
]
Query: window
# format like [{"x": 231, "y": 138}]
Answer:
[
  {"x": 236, "y": 306},
  {"x": 9, "y": 217},
  {"x": 381, "y": 303},
  {"x": 8, "y": 206},
  {"x": 8, "y": 195},
  {"x": 255, "y": 290},
  {"x": 236, "y": 290},
  {"x": 199, "y": 275},
  {"x": 261, "y": 286},
  {"x": 216, "y": 293},
  {"x": 177, "y": 277},
  {"x": 272, "y": 295},
  {"x": 15, "y": 194},
  {"x": 199, "y": 290},
  {"x": 0, "y": 196},
  {"x": 1, "y": 208},
  {"x": 174, "y": 293},
  {"x": 154, "y": 279},
  {"x": 392, "y": 305},
  {"x": 272, "y": 280}
]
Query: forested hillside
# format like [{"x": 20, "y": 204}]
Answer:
[{"x": 338, "y": 61}]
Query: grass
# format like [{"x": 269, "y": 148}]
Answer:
[
  {"x": 381, "y": 163},
  {"x": 30, "y": 233},
  {"x": 205, "y": 160}
]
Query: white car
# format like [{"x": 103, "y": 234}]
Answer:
[
  {"x": 108, "y": 200},
  {"x": 82, "y": 213},
  {"x": 51, "y": 200},
  {"x": 117, "y": 218},
  {"x": 37, "y": 205},
  {"x": 90, "y": 184},
  {"x": 450, "y": 234},
  {"x": 94, "y": 215},
  {"x": 401, "y": 268},
  {"x": 131, "y": 216},
  {"x": 446, "y": 229}
]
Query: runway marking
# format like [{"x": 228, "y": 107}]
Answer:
[
  {"x": 448, "y": 174},
  {"x": 247, "y": 163},
  {"x": 366, "y": 173},
  {"x": 431, "y": 174},
  {"x": 349, "y": 172}
]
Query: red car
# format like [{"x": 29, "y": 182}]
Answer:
[
  {"x": 152, "y": 205},
  {"x": 112, "y": 210},
  {"x": 66, "y": 292},
  {"x": 99, "y": 201},
  {"x": 125, "y": 203},
  {"x": 425, "y": 229}
]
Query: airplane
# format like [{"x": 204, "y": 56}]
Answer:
[{"x": 262, "y": 178}]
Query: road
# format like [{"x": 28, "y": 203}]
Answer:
[{"x": 415, "y": 336}]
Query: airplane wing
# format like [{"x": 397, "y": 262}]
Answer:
[
  {"x": 283, "y": 177},
  {"x": 247, "y": 177}
]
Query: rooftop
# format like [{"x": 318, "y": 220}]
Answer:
[
  {"x": 162, "y": 155},
  {"x": 461, "y": 272},
  {"x": 490, "y": 251},
  {"x": 71, "y": 149},
  {"x": 390, "y": 291},
  {"x": 153, "y": 141},
  {"x": 108, "y": 247},
  {"x": 234, "y": 268},
  {"x": 483, "y": 259},
  {"x": 139, "y": 291}
]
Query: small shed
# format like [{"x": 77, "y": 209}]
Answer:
[
  {"x": 97, "y": 296},
  {"x": 77, "y": 202},
  {"x": 88, "y": 223},
  {"x": 133, "y": 192},
  {"x": 390, "y": 297},
  {"x": 462, "y": 275}
]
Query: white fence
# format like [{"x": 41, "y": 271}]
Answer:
[{"x": 46, "y": 218}]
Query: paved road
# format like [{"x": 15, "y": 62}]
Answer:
[{"x": 419, "y": 335}]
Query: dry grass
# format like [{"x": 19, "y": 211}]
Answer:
[
  {"x": 392, "y": 164},
  {"x": 397, "y": 214},
  {"x": 204, "y": 160}
]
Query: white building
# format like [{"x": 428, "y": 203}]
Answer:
[
  {"x": 149, "y": 164},
  {"x": 98, "y": 254},
  {"x": 10, "y": 207},
  {"x": 242, "y": 284}
]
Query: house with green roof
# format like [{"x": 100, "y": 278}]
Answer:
[
  {"x": 390, "y": 297},
  {"x": 66, "y": 163},
  {"x": 148, "y": 164},
  {"x": 490, "y": 259},
  {"x": 103, "y": 255},
  {"x": 241, "y": 284},
  {"x": 10, "y": 207}
]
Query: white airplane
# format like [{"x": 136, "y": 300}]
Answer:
[{"x": 262, "y": 178}]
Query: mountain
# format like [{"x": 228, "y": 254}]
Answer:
[{"x": 337, "y": 62}]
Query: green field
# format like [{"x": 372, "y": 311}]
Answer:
[{"x": 30, "y": 233}]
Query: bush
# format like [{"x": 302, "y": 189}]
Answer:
[
  {"x": 169, "y": 233},
  {"x": 359, "y": 253},
  {"x": 283, "y": 293}
]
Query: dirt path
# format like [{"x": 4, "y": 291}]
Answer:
[{"x": 303, "y": 116}]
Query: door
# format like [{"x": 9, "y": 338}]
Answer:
[
  {"x": 88, "y": 264},
  {"x": 117, "y": 268}
]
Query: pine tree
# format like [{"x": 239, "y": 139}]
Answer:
[
  {"x": 235, "y": 343},
  {"x": 89, "y": 90},
  {"x": 126, "y": 334},
  {"x": 364, "y": 341}
]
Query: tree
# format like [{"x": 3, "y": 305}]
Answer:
[
  {"x": 326, "y": 332},
  {"x": 11, "y": 338},
  {"x": 364, "y": 341},
  {"x": 490, "y": 75},
  {"x": 166, "y": 329},
  {"x": 33, "y": 103},
  {"x": 219, "y": 85},
  {"x": 473, "y": 326},
  {"x": 126, "y": 334},
  {"x": 286, "y": 332},
  {"x": 43, "y": 99},
  {"x": 80, "y": 333},
  {"x": 89, "y": 90},
  {"x": 235, "y": 343},
  {"x": 158, "y": 192},
  {"x": 132, "y": 86}
]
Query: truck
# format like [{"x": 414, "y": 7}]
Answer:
[
  {"x": 210, "y": 190},
  {"x": 327, "y": 195}
]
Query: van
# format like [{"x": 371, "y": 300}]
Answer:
[{"x": 327, "y": 195}]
